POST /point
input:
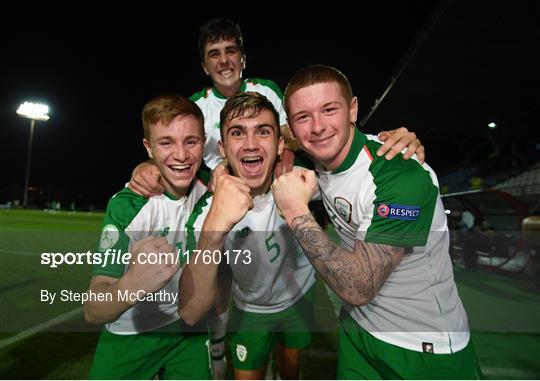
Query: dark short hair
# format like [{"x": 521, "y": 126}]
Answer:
[
  {"x": 165, "y": 108},
  {"x": 248, "y": 104},
  {"x": 219, "y": 29}
]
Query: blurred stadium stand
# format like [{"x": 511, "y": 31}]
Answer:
[
  {"x": 525, "y": 184},
  {"x": 503, "y": 238}
]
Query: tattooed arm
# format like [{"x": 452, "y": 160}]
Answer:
[{"x": 355, "y": 276}]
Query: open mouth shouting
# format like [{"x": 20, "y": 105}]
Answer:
[{"x": 252, "y": 165}]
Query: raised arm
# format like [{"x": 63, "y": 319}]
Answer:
[
  {"x": 394, "y": 142},
  {"x": 198, "y": 282},
  {"x": 355, "y": 276}
]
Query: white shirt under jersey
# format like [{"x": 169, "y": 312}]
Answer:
[
  {"x": 211, "y": 101},
  {"x": 130, "y": 218},
  {"x": 397, "y": 203},
  {"x": 271, "y": 272}
]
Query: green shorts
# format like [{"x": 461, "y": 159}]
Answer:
[
  {"x": 167, "y": 352},
  {"x": 362, "y": 356},
  {"x": 255, "y": 334}
]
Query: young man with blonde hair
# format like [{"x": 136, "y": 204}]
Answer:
[{"x": 143, "y": 336}]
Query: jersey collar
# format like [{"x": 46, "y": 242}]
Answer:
[
  {"x": 218, "y": 95},
  {"x": 359, "y": 139},
  {"x": 170, "y": 196}
]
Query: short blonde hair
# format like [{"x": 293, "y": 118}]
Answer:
[{"x": 165, "y": 108}]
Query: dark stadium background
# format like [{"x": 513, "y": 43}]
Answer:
[{"x": 457, "y": 66}]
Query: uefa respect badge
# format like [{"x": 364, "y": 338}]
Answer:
[{"x": 398, "y": 211}]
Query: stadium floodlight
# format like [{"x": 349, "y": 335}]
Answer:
[
  {"x": 492, "y": 125},
  {"x": 32, "y": 111}
]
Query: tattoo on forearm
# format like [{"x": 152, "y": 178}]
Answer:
[{"x": 358, "y": 276}]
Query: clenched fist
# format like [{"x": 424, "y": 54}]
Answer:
[
  {"x": 293, "y": 191},
  {"x": 221, "y": 169},
  {"x": 144, "y": 273},
  {"x": 232, "y": 200}
]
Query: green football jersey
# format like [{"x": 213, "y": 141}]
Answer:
[
  {"x": 130, "y": 218},
  {"x": 397, "y": 203}
]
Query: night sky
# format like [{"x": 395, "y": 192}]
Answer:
[{"x": 479, "y": 63}]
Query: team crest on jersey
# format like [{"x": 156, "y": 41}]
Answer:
[
  {"x": 109, "y": 236},
  {"x": 241, "y": 352},
  {"x": 344, "y": 208}
]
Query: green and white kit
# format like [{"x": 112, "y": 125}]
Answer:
[
  {"x": 397, "y": 203},
  {"x": 273, "y": 282},
  {"x": 149, "y": 339},
  {"x": 271, "y": 272},
  {"x": 130, "y": 218}
]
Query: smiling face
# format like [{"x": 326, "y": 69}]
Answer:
[
  {"x": 251, "y": 144},
  {"x": 224, "y": 62},
  {"x": 177, "y": 150},
  {"x": 323, "y": 121}
]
